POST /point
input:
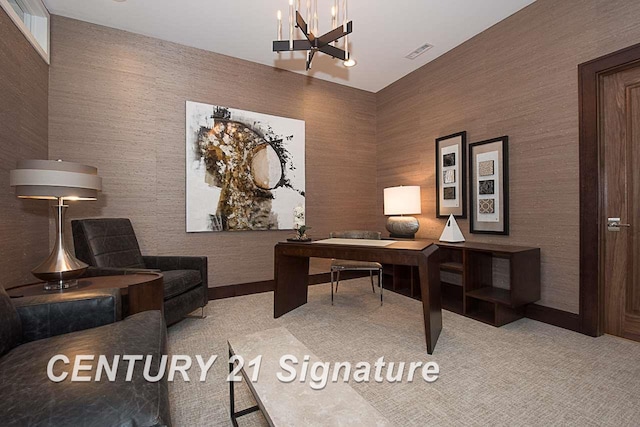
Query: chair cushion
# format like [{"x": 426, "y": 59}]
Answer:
[
  {"x": 107, "y": 242},
  {"x": 177, "y": 282},
  {"x": 27, "y": 394},
  {"x": 10, "y": 326},
  {"x": 345, "y": 264}
]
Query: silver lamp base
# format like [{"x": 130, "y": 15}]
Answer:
[
  {"x": 60, "y": 269},
  {"x": 59, "y": 285},
  {"x": 404, "y": 227}
]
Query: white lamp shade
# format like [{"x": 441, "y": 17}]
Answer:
[
  {"x": 402, "y": 200},
  {"x": 52, "y": 179}
]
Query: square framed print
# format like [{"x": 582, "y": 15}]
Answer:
[
  {"x": 451, "y": 176},
  {"x": 489, "y": 183}
]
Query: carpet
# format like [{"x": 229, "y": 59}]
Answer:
[{"x": 526, "y": 373}]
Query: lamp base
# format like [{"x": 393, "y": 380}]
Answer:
[
  {"x": 59, "y": 285},
  {"x": 403, "y": 227}
]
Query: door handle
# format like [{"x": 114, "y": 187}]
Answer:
[{"x": 614, "y": 224}]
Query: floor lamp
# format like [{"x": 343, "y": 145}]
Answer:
[{"x": 59, "y": 181}]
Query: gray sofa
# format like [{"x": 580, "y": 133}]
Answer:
[
  {"x": 110, "y": 246},
  {"x": 34, "y": 329}
]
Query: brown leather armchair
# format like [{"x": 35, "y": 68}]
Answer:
[{"x": 110, "y": 246}]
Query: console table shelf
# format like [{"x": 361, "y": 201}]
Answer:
[
  {"x": 475, "y": 295},
  {"x": 467, "y": 285}
]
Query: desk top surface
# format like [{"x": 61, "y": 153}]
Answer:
[{"x": 412, "y": 245}]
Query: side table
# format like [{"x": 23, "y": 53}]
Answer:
[{"x": 142, "y": 291}]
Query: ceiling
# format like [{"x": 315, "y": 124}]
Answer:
[{"x": 384, "y": 31}]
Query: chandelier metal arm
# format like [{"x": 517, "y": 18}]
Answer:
[
  {"x": 313, "y": 44},
  {"x": 334, "y": 51},
  {"x": 334, "y": 35}
]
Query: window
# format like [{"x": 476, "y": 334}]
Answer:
[{"x": 32, "y": 18}]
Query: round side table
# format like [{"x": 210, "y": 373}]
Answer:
[{"x": 142, "y": 291}]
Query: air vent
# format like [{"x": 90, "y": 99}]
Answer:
[{"x": 419, "y": 51}]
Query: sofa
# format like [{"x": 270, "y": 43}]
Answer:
[
  {"x": 34, "y": 329},
  {"x": 110, "y": 246}
]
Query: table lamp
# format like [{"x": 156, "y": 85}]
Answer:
[
  {"x": 60, "y": 181},
  {"x": 402, "y": 201}
]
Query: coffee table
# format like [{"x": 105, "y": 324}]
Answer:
[{"x": 142, "y": 291}]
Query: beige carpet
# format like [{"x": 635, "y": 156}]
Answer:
[{"x": 526, "y": 373}]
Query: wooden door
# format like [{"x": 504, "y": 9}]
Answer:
[{"x": 620, "y": 152}]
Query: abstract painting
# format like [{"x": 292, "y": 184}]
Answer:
[
  {"x": 244, "y": 170},
  {"x": 451, "y": 187}
]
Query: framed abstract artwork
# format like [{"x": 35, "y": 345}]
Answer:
[
  {"x": 244, "y": 170},
  {"x": 451, "y": 176},
  {"x": 489, "y": 183}
]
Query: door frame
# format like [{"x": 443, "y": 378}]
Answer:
[{"x": 592, "y": 185}]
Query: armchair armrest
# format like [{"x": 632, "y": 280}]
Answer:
[
  {"x": 115, "y": 271},
  {"x": 167, "y": 263},
  {"x": 45, "y": 316}
]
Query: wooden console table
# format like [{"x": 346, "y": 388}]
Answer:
[{"x": 292, "y": 274}]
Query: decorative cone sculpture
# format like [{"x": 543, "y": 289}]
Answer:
[{"x": 451, "y": 232}]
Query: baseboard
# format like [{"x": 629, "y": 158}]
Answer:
[
  {"x": 555, "y": 317},
  {"x": 229, "y": 291}
]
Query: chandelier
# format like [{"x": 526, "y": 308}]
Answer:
[{"x": 327, "y": 43}]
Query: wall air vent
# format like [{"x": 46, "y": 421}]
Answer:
[{"x": 419, "y": 51}]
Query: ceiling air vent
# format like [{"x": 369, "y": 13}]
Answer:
[{"x": 419, "y": 51}]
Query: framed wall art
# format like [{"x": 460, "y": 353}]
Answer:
[
  {"x": 451, "y": 176},
  {"x": 244, "y": 170},
  {"x": 489, "y": 183}
]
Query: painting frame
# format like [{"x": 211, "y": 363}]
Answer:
[
  {"x": 451, "y": 196},
  {"x": 489, "y": 186}
]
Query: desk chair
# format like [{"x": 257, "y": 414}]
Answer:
[{"x": 338, "y": 265}]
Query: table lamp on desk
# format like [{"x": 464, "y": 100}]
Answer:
[
  {"x": 59, "y": 181},
  {"x": 400, "y": 201}
]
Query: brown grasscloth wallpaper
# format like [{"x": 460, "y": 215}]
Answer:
[
  {"x": 518, "y": 78},
  {"x": 24, "y": 224},
  {"x": 117, "y": 102}
]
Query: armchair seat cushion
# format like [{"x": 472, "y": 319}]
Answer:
[
  {"x": 177, "y": 282},
  {"x": 28, "y": 397}
]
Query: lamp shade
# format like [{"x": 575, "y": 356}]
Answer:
[
  {"x": 402, "y": 200},
  {"x": 53, "y": 179}
]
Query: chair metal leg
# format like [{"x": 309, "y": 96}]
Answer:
[
  {"x": 202, "y": 315},
  {"x": 332, "y": 286},
  {"x": 380, "y": 284},
  {"x": 337, "y": 279},
  {"x": 373, "y": 288}
]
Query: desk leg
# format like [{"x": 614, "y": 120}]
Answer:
[
  {"x": 292, "y": 280},
  {"x": 431, "y": 299}
]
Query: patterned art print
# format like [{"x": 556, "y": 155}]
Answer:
[
  {"x": 488, "y": 206},
  {"x": 485, "y": 168},
  {"x": 245, "y": 170},
  {"x": 450, "y": 187}
]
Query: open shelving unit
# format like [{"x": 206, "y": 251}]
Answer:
[
  {"x": 474, "y": 295},
  {"x": 467, "y": 282}
]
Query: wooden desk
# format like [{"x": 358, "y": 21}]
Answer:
[
  {"x": 292, "y": 274},
  {"x": 142, "y": 291}
]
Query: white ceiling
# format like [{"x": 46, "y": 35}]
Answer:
[{"x": 384, "y": 31}]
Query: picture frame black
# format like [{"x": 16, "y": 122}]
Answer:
[
  {"x": 459, "y": 187},
  {"x": 489, "y": 186}
]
